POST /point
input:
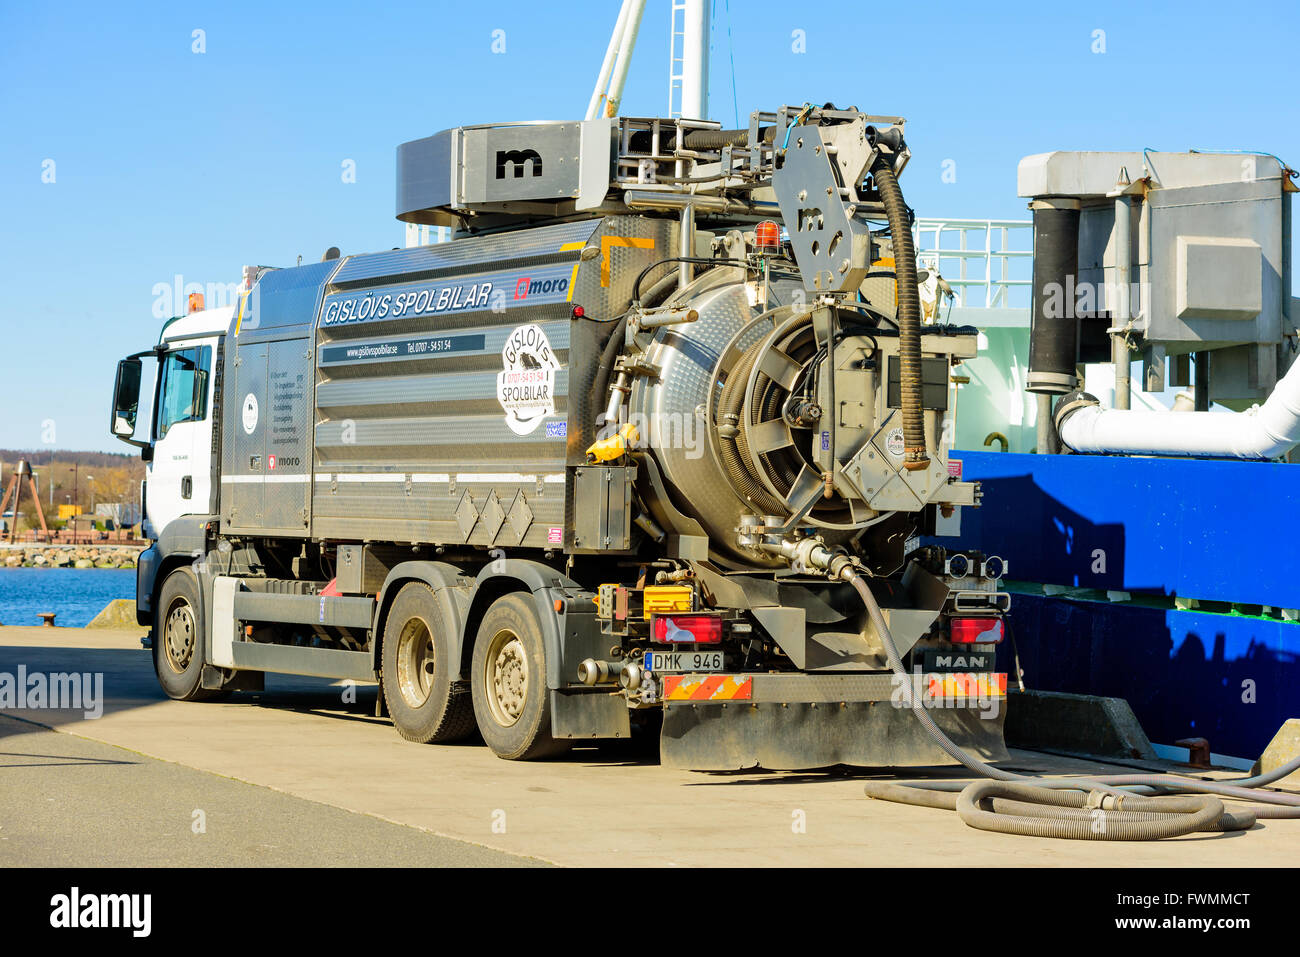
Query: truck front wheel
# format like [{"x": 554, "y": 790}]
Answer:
[
  {"x": 419, "y": 671},
  {"x": 178, "y": 639},
  {"x": 508, "y": 679}
]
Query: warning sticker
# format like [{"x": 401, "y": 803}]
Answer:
[{"x": 526, "y": 384}]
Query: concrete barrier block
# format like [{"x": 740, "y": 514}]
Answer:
[
  {"x": 1088, "y": 724},
  {"x": 119, "y": 613},
  {"x": 1284, "y": 747}
]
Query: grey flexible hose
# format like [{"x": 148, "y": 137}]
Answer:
[{"x": 1124, "y": 815}]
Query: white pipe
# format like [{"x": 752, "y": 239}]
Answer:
[
  {"x": 1265, "y": 431},
  {"x": 615, "y": 38},
  {"x": 695, "y": 61},
  {"x": 632, "y": 26}
]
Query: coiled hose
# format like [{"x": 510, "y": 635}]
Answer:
[
  {"x": 915, "y": 454},
  {"x": 1096, "y": 809},
  {"x": 734, "y": 446},
  {"x": 737, "y": 418}
]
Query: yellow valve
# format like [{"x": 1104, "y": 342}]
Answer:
[{"x": 616, "y": 446}]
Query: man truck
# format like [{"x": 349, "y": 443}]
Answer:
[{"x": 644, "y": 444}]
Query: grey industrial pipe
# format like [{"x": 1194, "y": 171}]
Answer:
[{"x": 1122, "y": 307}]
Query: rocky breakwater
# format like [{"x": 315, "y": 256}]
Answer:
[{"x": 68, "y": 556}]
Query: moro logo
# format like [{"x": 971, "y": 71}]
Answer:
[
  {"x": 526, "y": 286},
  {"x": 517, "y": 160}
]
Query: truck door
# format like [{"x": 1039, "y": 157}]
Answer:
[{"x": 180, "y": 475}]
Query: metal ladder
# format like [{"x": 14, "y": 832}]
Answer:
[{"x": 676, "y": 57}]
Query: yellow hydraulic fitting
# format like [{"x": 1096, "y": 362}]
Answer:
[{"x": 615, "y": 446}]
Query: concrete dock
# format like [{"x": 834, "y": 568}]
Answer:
[{"x": 303, "y": 774}]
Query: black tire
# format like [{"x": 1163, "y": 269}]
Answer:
[
  {"x": 508, "y": 680},
  {"x": 178, "y": 639},
  {"x": 419, "y": 669}
]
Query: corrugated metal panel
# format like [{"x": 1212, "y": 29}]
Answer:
[
  {"x": 446, "y": 438},
  {"x": 412, "y": 439},
  {"x": 460, "y": 254},
  {"x": 284, "y": 298},
  {"x": 341, "y": 396},
  {"x": 440, "y": 407}
]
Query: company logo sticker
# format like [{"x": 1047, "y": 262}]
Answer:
[
  {"x": 526, "y": 384},
  {"x": 250, "y": 413},
  {"x": 894, "y": 442}
]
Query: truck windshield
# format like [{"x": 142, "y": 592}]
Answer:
[{"x": 184, "y": 396}]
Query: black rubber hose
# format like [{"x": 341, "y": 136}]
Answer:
[
  {"x": 642, "y": 140},
  {"x": 640, "y": 278},
  {"x": 660, "y": 291},
  {"x": 717, "y": 139},
  {"x": 915, "y": 454},
  {"x": 605, "y": 367},
  {"x": 1054, "y": 324}
]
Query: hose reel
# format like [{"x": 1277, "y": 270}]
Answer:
[{"x": 766, "y": 417}]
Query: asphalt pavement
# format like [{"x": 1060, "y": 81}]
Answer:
[{"x": 303, "y": 773}]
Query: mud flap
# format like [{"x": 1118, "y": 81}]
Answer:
[
  {"x": 224, "y": 679},
  {"x": 799, "y": 736},
  {"x": 599, "y": 714}
]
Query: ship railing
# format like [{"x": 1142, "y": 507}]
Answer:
[{"x": 986, "y": 261}]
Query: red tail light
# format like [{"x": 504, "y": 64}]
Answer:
[
  {"x": 975, "y": 631},
  {"x": 701, "y": 629}
]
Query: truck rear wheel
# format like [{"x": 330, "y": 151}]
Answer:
[
  {"x": 508, "y": 679},
  {"x": 419, "y": 671},
  {"x": 178, "y": 639}
]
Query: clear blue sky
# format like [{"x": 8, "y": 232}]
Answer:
[{"x": 169, "y": 162}]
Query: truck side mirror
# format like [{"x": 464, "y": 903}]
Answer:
[{"x": 126, "y": 398}]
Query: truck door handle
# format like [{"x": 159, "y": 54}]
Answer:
[{"x": 187, "y": 486}]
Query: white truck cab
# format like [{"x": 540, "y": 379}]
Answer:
[{"x": 176, "y": 439}]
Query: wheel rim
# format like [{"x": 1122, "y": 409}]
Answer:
[
  {"x": 506, "y": 678},
  {"x": 178, "y": 635},
  {"x": 416, "y": 662}
]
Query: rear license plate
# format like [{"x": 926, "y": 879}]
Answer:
[{"x": 682, "y": 662}]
